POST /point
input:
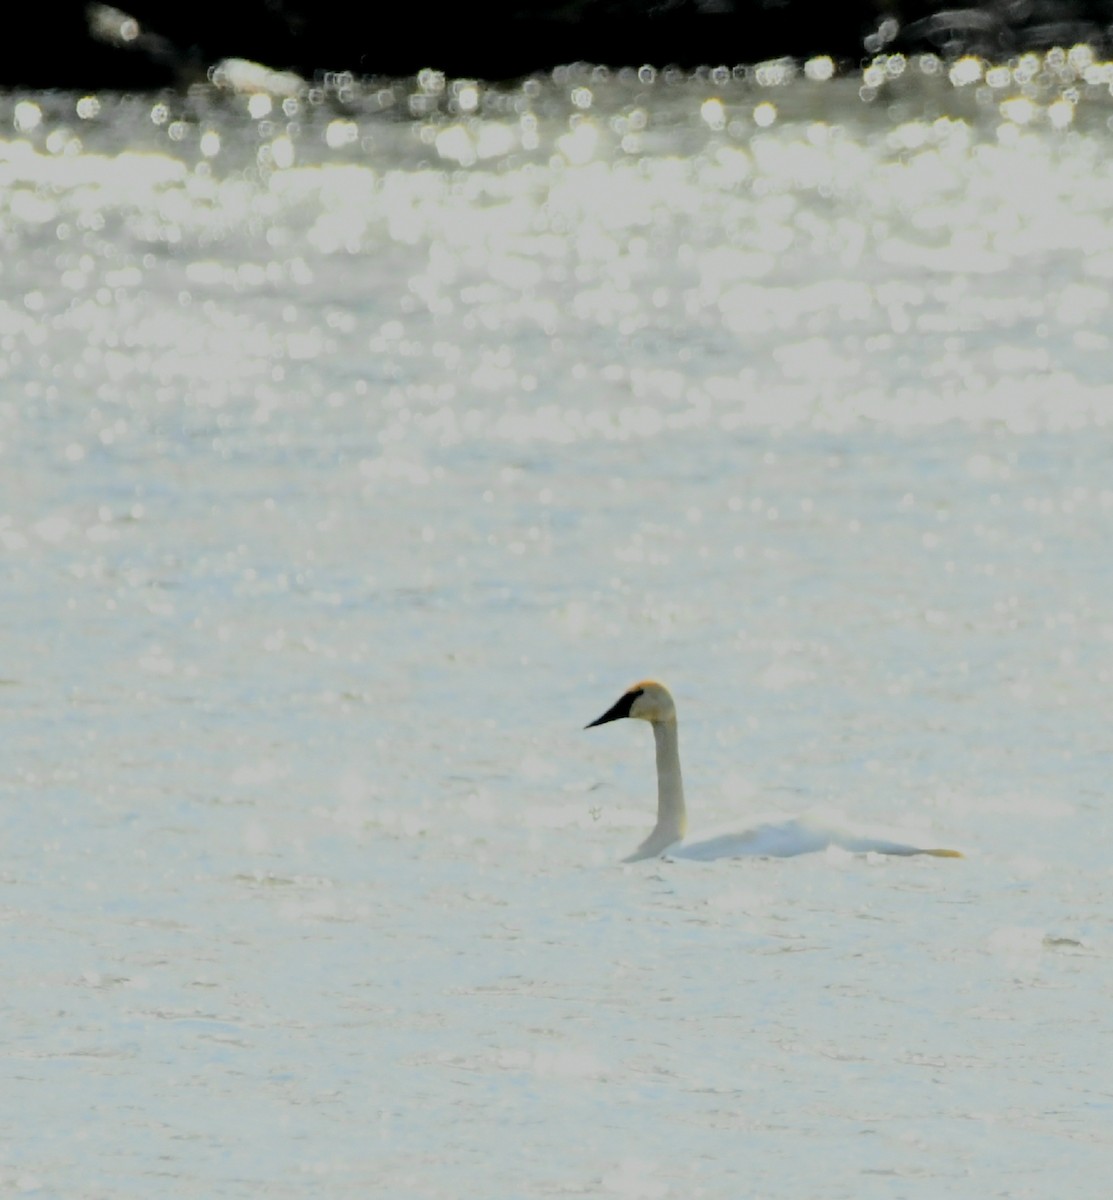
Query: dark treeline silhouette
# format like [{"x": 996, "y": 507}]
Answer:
[{"x": 159, "y": 43}]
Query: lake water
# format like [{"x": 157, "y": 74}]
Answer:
[{"x": 357, "y": 449}]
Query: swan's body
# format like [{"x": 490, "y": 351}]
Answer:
[{"x": 652, "y": 702}]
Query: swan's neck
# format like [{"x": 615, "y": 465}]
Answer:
[{"x": 672, "y": 817}]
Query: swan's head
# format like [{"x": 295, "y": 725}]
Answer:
[{"x": 647, "y": 701}]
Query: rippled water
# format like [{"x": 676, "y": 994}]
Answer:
[{"x": 357, "y": 448}]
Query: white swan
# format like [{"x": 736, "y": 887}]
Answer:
[{"x": 650, "y": 701}]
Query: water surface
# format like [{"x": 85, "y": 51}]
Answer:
[{"x": 357, "y": 448}]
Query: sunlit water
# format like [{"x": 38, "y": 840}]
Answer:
[{"x": 357, "y": 449}]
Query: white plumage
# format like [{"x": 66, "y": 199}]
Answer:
[{"x": 652, "y": 702}]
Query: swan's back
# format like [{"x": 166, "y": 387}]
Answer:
[{"x": 787, "y": 839}]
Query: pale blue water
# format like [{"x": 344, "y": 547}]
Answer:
[{"x": 351, "y": 461}]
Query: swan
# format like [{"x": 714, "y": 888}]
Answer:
[{"x": 651, "y": 701}]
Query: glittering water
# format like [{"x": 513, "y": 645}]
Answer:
[{"x": 357, "y": 447}]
